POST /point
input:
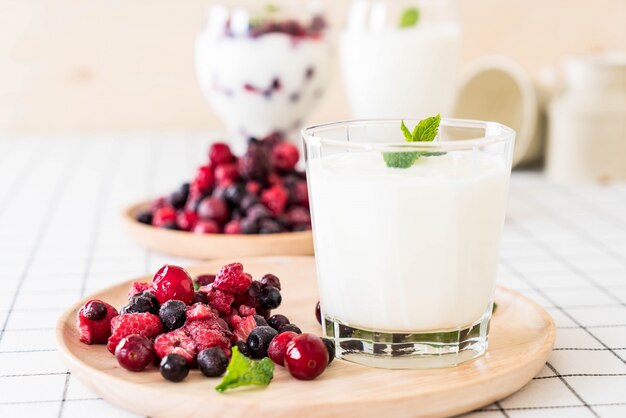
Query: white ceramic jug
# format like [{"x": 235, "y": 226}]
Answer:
[{"x": 587, "y": 121}]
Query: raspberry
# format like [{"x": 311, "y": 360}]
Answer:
[
  {"x": 206, "y": 227},
  {"x": 173, "y": 282},
  {"x": 144, "y": 324},
  {"x": 220, "y": 300},
  {"x": 243, "y": 328},
  {"x": 176, "y": 342},
  {"x": 233, "y": 227},
  {"x": 98, "y": 329},
  {"x": 137, "y": 287},
  {"x": 205, "y": 337},
  {"x": 219, "y": 153},
  {"x": 245, "y": 310},
  {"x": 163, "y": 216},
  {"x": 200, "y": 311},
  {"x": 285, "y": 156},
  {"x": 213, "y": 208},
  {"x": 204, "y": 179},
  {"x": 186, "y": 220},
  {"x": 232, "y": 279},
  {"x": 275, "y": 198},
  {"x": 226, "y": 174}
]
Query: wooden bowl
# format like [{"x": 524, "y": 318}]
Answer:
[
  {"x": 520, "y": 341},
  {"x": 208, "y": 246}
]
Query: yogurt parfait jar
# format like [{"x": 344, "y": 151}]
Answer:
[
  {"x": 263, "y": 66},
  {"x": 407, "y": 254}
]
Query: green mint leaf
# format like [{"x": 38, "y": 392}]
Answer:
[
  {"x": 495, "y": 306},
  {"x": 196, "y": 285},
  {"x": 409, "y": 17},
  {"x": 243, "y": 371},
  {"x": 400, "y": 159},
  {"x": 426, "y": 130},
  {"x": 408, "y": 136}
]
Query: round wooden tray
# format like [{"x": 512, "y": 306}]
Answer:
[
  {"x": 522, "y": 335},
  {"x": 209, "y": 246}
]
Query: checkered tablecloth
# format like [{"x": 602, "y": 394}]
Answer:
[{"x": 60, "y": 239}]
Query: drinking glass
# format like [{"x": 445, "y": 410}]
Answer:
[
  {"x": 407, "y": 257},
  {"x": 401, "y": 58},
  {"x": 263, "y": 66}
]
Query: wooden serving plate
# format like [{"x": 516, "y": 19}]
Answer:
[
  {"x": 209, "y": 246},
  {"x": 521, "y": 338}
]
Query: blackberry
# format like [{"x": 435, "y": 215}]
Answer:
[
  {"x": 270, "y": 297},
  {"x": 277, "y": 321},
  {"x": 145, "y": 218},
  {"x": 212, "y": 362},
  {"x": 290, "y": 327},
  {"x": 143, "y": 302},
  {"x": 260, "y": 321},
  {"x": 173, "y": 314},
  {"x": 259, "y": 340},
  {"x": 174, "y": 367},
  {"x": 330, "y": 347}
]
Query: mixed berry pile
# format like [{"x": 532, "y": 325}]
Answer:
[
  {"x": 260, "y": 192},
  {"x": 213, "y": 322}
]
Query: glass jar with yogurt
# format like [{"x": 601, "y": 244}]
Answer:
[
  {"x": 263, "y": 65},
  {"x": 407, "y": 257},
  {"x": 401, "y": 58}
]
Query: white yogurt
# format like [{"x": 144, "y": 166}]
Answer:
[
  {"x": 409, "y": 73},
  {"x": 236, "y": 75},
  {"x": 407, "y": 249}
]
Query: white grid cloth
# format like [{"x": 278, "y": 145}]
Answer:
[{"x": 60, "y": 239}]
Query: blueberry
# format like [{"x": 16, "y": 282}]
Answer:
[
  {"x": 270, "y": 280},
  {"x": 174, "y": 367},
  {"x": 212, "y": 362},
  {"x": 95, "y": 310},
  {"x": 243, "y": 348},
  {"x": 249, "y": 226},
  {"x": 270, "y": 226},
  {"x": 184, "y": 190},
  {"x": 260, "y": 321},
  {"x": 290, "y": 327},
  {"x": 145, "y": 218},
  {"x": 235, "y": 193},
  {"x": 199, "y": 298},
  {"x": 277, "y": 321},
  {"x": 259, "y": 212},
  {"x": 259, "y": 340},
  {"x": 270, "y": 297},
  {"x": 173, "y": 314},
  {"x": 177, "y": 200},
  {"x": 143, "y": 302},
  {"x": 330, "y": 347}
]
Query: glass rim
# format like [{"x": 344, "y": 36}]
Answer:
[{"x": 501, "y": 134}]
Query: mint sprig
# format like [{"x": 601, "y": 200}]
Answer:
[
  {"x": 425, "y": 131},
  {"x": 409, "y": 17},
  {"x": 243, "y": 371}
]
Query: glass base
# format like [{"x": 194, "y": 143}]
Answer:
[{"x": 394, "y": 350}]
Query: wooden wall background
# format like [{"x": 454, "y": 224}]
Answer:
[{"x": 90, "y": 65}]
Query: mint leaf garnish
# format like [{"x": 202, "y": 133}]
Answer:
[
  {"x": 425, "y": 131},
  {"x": 196, "y": 285},
  {"x": 243, "y": 371},
  {"x": 409, "y": 17},
  {"x": 495, "y": 306}
]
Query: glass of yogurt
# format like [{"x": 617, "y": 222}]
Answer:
[
  {"x": 401, "y": 58},
  {"x": 263, "y": 65},
  {"x": 407, "y": 257}
]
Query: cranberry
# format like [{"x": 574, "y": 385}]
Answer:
[
  {"x": 278, "y": 347},
  {"x": 219, "y": 153},
  {"x": 213, "y": 208},
  {"x": 95, "y": 310},
  {"x": 275, "y": 198},
  {"x": 226, "y": 174},
  {"x": 163, "y": 216},
  {"x": 233, "y": 227},
  {"x": 134, "y": 352},
  {"x": 206, "y": 227},
  {"x": 173, "y": 282},
  {"x": 285, "y": 156},
  {"x": 306, "y": 357},
  {"x": 204, "y": 179},
  {"x": 186, "y": 220}
]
